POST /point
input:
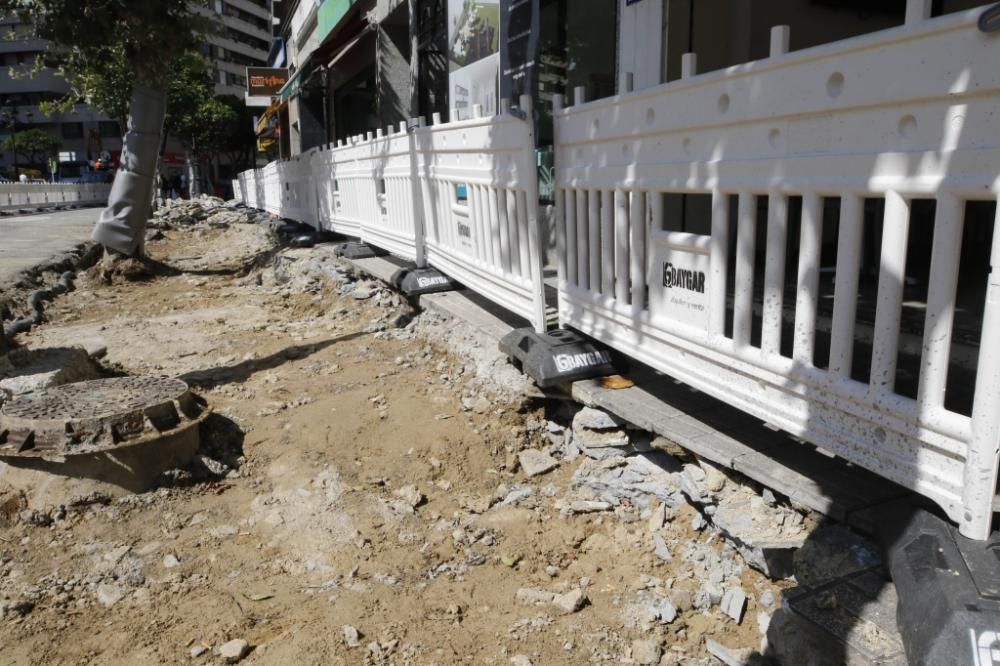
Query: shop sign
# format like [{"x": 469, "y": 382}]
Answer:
[{"x": 265, "y": 81}]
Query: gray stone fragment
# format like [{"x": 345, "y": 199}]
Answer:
[
  {"x": 197, "y": 650},
  {"x": 646, "y": 652},
  {"x": 108, "y": 594},
  {"x": 535, "y": 462},
  {"x": 596, "y": 419},
  {"x": 660, "y": 548},
  {"x": 530, "y": 597},
  {"x": 728, "y": 656},
  {"x": 734, "y": 602},
  {"x": 571, "y": 601},
  {"x": 234, "y": 650},
  {"x": 352, "y": 637}
]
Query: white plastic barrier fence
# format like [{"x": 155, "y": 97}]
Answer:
[
  {"x": 480, "y": 191},
  {"x": 34, "y": 195},
  {"x": 851, "y": 136}
]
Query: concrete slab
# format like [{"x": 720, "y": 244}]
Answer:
[{"x": 28, "y": 240}]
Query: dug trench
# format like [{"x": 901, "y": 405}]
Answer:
[{"x": 373, "y": 487}]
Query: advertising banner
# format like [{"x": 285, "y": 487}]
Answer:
[{"x": 473, "y": 55}]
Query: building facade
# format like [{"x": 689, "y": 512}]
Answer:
[{"x": 244, "y": 40}]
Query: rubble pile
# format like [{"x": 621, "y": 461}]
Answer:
[{"x": 203, "y": 210}]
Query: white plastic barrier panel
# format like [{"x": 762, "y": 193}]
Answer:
[
  {"x": 725, "y": 228},
  {"x": 397, "y": 223},
  {"x": 479, "y": 186},
  {"x": 349, "y": 198},
  {"x": 298, "y": 192},
  {"x": 271, "y": 190}
]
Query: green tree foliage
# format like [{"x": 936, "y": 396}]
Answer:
[
  {"x": 89, "y": 38},
  {"x": 35, "y": 144}
]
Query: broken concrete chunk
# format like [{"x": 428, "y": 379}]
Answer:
[
  {"x": 660, "y": 548},
  {"x": 352, "y": 637},
  {"x": 535, "y": 462},
  {"x": 728, "y": 656},
  {"x": 410, "y": 495},
  {"x": 108, "y": 595},
  {"x": 234, "y": 650},
  {"x": 734, "y": 602},
  {"x": 570, "y": 602},
  {"x": 527, "y": 596},
  {"x": 646, "y": 652},
  {"x": 596, "y": 419}
]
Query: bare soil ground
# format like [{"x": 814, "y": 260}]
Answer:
[{"x": 361, "y": 462}]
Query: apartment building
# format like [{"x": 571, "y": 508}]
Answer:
[{"x": 243, "y": 41}]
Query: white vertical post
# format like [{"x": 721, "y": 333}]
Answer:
[
  {"x": 980, "y": 475},
  {"x": 689, "y": 65},
  {"x": 569, "y": 212},
  {"x": 637, "y": 249},
  {"x": 504, "y": 107},
  {"x": 746, "y": 248},
  {"x": 579, "y": 96},
  {"x": 628, "y": 82},
  {"x": 528, "y": 209},
  {"x": 477, "y": 110},
  {"x": 719, "y": 264},
  {"x": 582, "y": 241},
  {"x": 774, "y": 273},
  {"x": 845, "y": 294},
  {"x": 560, "y": 222},
  {"x": 621, "y": 247},
  {"x": 780, "y": 40},
  {"x": 941, "y": 291},
  {"x": 607, "y": 244},
  {"x": 594, "y": 238},
  {"x": 889, "y": 303},
  {"x": 436, "y": 118},
  {"x": 917, "y": 11},
  {"x": 810, "y": 254}
]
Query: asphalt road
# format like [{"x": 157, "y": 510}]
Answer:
[{"x": 28, "y": 240}]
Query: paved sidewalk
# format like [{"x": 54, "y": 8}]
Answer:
[{"x": 28, "y": 240}]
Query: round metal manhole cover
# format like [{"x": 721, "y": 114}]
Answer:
[
  {"x": 97, "y": 399},
  {"x": 96, "y": 415}
]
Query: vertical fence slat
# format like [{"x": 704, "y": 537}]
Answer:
[
  {"x": 594, "y": 238},
  {"x": 571, "y": 250},
  {"x": 637, "y": 247},
  {"x": 498, "y": 216},
  {"x": 845, "y": 292},
  {"x": 980, "y": 474},
  {"x": 621, "y": 247},
  {"x": 718, "y": 263},
  {"x": 941, "y": 292},
  {"x": 774, "y": 273},
  {"x": 582, "y": 238},
  {"x": 746, "y": 245},
  {"x": 560, "y": 221},
  {"x": 889, "y": 306},
  {"x": 807, "y": 293},
  {"x": 518, "y": 226},
  {"x": 607, "y": 243}
]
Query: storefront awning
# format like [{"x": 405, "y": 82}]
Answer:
[{"x": 266, "y": 121}]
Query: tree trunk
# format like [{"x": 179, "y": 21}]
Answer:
[{"x": 122, "y": 225}]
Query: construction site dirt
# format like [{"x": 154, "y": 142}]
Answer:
[{"x": 373, "y": 486}]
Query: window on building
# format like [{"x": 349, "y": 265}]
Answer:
[
  {"x": 72, "y": 130},
  {"x": 109, "y": 129}
]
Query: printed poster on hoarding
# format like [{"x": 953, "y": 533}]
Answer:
[{"x": 473, "y": 55}]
